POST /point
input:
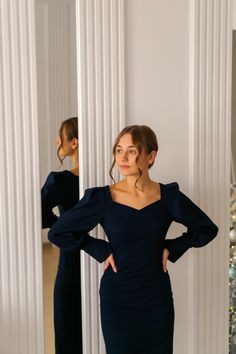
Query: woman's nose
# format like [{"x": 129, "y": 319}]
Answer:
[
  {"x": 58, "y": 140},
  {"x": 125, "y": 156}
]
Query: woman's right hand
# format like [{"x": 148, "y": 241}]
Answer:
[
  {"x": 110, "y": 262},
  {"x": 165, "y": 256}
]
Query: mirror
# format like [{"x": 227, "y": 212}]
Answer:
[{"x": 57, "y": 101}]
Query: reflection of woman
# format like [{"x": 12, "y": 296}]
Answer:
[
  {"x": 62, "y": 189},
  {"x": 137, "y": 310}
]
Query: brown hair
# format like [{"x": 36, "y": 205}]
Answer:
[
  {"x": 70, "y": 127},
  {"x": 143, "y": 137}
]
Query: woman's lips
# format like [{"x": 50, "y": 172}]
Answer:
[{"x": 124, "y": 166}]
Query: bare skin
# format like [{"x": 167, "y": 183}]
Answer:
[{"x": 125, "y": 192}]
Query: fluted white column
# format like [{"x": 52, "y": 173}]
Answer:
[
  {"x": 210, "y": 94},
  {"x": 21, "y": 308},
  {"x": 100, "y": 53}
]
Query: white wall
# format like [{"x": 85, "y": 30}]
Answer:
[
  {"x": 157, "y": 91},
  {"x": 157, "y": 78},
  {"x": 234, "y": 14}
]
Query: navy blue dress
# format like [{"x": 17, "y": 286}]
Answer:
[
  {"x": 62, "y": 189},
  {"x": 137, "y": 311}
]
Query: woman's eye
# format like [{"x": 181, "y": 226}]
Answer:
[
  {"x": 118, "y": 151},
  {"x": 132, "y": 152}
]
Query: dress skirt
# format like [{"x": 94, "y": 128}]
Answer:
[
  {"x": 67, "y": 304},
  {"x": 138, "y": 331},
  {"x": 137, "y": 317}
]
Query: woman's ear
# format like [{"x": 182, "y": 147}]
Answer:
[
  {"x": 152, "y": 156},
  {"x": 75, "y": 143}
]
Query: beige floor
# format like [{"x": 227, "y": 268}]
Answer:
[{"x": 50, "y": 261}]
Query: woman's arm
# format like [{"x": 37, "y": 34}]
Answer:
[
  {"x": 200, "y": 228},
  {"x": 70, "y": 231},
  {"x": 52, "y": 195}
]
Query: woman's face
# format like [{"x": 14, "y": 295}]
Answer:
[
  {"x": 126, "y": 154},
  {"x": 67, "y": 147}
]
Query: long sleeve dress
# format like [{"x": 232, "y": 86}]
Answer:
[
  {"x": 137, "y": 311},
  {"x": 62, "y": 189}
]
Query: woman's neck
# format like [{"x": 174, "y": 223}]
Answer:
[
  {"x": 75, "y": 164},
  {"x": 134, "y": 182}
]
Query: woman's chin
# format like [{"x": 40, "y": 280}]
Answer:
[{"x": 127, "y": 173}]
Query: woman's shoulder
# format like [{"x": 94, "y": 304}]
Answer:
[
  {"x": 59, "y": 180},
  {"x": 173, "y": 186},
  {"x": 59, "y": 176},
  {"x": 170, "y": 191},
  {"x": 95, "y": 195},
  {"x": 96, "y": 191}
]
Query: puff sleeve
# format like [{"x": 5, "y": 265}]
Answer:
[
  {"x": 200, "y": 228},
  {"x": 70, "y": 231}
]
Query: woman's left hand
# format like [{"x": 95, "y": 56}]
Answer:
[
  {"x": 110, "y": 262},
  {"x": 165, "y": 255}
]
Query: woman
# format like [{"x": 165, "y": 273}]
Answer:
[
  {"x": 61, "y": 190},
  {"x": 137, "y": 311}
]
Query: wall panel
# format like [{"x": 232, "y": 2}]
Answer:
[
  {"x": 100, "y": 47},
  {"x": 210, "y": 95},
  {"x": 20, "y": 238}
]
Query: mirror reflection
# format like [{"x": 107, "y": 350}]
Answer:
[{"x": 59, "y": 168}]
